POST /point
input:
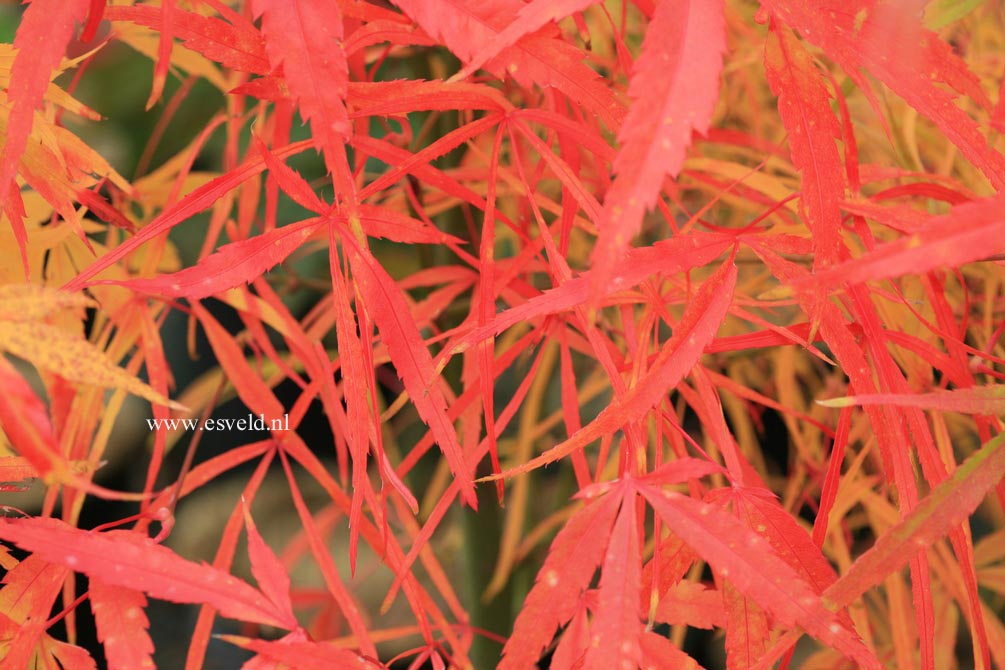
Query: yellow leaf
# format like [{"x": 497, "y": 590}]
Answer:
[
  {"x": 53, "y": 93},
  {"x": 27, "y": 302},
  {"x": 74, "y": 359}
]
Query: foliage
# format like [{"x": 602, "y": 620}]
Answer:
[{"x": 699, "y": 304}]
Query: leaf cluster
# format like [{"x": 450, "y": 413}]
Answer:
[{"x": 623, "y": 320}]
